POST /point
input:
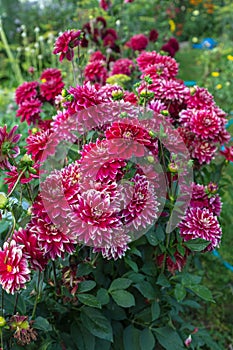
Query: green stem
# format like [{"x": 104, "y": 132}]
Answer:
[
  {"x": 74, "y": 73},
  {"x": 1, "y": 339},
  {"x": 37, "y": 296},
  {"x": 14, "y": 64},
  {"x": 2, "y": 302},
  {"x": 16, "y": 303},
  {"x": 16, "y": 183},
  {"x": 54, "y": 275}
]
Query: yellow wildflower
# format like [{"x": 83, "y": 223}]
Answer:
[
  {"x": 172, "y": 25},
  {"x": 230, "y": 57},
  {"x": 215, "y": 74},
  {"x": 218, "y": 86}
]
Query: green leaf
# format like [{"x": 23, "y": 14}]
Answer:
[
  {"x": 102, "y": 344},
  {"x": 203, "y": 292},
  {"x": 135, "y": 277},
  {"x": 84, "y": 269},
  {"x": 180, "y": 292},
  {"x": 168, "y": 338},
  {"x": 147, "y": 340},
  {"x": 131, "y": 264},
  {"x": 83, "y": 339},
  {"x": 151, "y": 237},
  {"x": 9, "y": 301},
  {"x": 163, "y": 281},
  {"x": 89, "y": 300},
  {"x": 155, "y": 310},
  {"x": 120, "y": 283},
  {"x": 42, "y": 324},
  {"x": 146, "y": 289},
  {"x": 86, "y": 286},
  {"x": 197, "y": 244},
  {"x": 131, "y": 338},
  {"x": 123, "y": 298},
  {"x": 96, "y": 323},
  {"x": 102, "y": 296}
]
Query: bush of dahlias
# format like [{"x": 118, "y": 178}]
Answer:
[{"x": 107, "y": 203}]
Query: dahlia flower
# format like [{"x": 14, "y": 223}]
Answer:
[
  {"x": 8, "y": 146},
  {"x": 13, "y": 174},
  {"x": 123, "y": 66},
  {"x": 202, "y": 198},
  {"x": 138, "y": 42},
  {"x": 114, "y": 252},
  {"x": 26, "y": 91},
  {"x": 30, "y": 248},
  {"x": 23, "y": 331},
  {"x": 163, "y": 65},
  {"x": 203, "y": 151},
  {"x": 14, "y": 271},
  {"x": 153, "y": 35},
  {"x": 65, "y": 44},
  {"x": 94, "y": 220},
  {"x": 176, "y": 263},
  {"x": 51, "y": 83},
  {"x": 29, "y": 110},
  {"x": 96, "y": 72},
  {"x": 201, "y": 223},
  {"x": 39, "y": 145},
  {"x": 97, "y": 56},
  {"x": 51, "y": 240}
]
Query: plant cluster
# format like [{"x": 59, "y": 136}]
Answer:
[{"x": 105, "y": 205}]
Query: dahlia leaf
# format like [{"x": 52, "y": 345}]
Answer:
[
  {"x": 131, "y": 338},
  {"x": 102, "y": 296},
  {"x": 180, "y": 292},
  {"x": 86, "y": 286},
  {"x": 42, "y": 324},
  {"x": 123, "y": 298},
  {"x": 96, "y": 323},
  {"x": 203, "y": 292},
  {"x": 197, "y": 244},
  {"x": 89, "y": 300},
  {"x": 147, "y": 340},
  {"x": 169, "y": 338},
  {"x": 146, "y": 289},
  {"x": 155, "y": 310},
  {"x": 120, "y": 283}
]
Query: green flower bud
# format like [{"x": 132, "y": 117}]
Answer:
[
  {"x": 165, "y": 112},
  {"x": 173, "y": 168},
  {"x": 3, "y": 200},
  {"x": 26, "y": 160},
  {"x": 2, "y": 321}
]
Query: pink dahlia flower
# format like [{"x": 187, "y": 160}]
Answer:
[
  {"x": 8, "y": 146},
  {"x": 123, "y": 66},
  {"x": 204, "y": 123},
  {"x": 201, "y": 223},
  {"x": 138, "y": 42},
  {"x": 114, "y": 252},
  {"x": 83, "y": 97},
  {"x": 95, "y": 221},
  {"x": 14, "y": 271},
  {"x": 26, "y": 91},
  {"x": 142, "y": 207},
  {"x": 65, "y": 44},
  {"x": 29, "y": 111},
  {"x": 52, "y": 242},
  {"x": 39, "y": 145},
  {"x": 51, "y": 83},
  {"x": 202, "y": 198},
  {"x": 203, "y": 151},
  {"x": 96, "y": 72},
  {"x": 199, "y": 98},
  {"x": 163, "y": 65},
  {"x": 30, "y": 248}
]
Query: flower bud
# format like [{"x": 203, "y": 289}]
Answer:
[
  {"x": 173, "y": 168},
  {"x": 3, "y": 200},
  {"x": 117, "y": 94},
  {"x": 165, "y": 112},
  {"x": 2, "y": 321},
  {"x": 26, "y": 160}
]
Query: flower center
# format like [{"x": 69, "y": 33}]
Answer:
[
  {"x": 127, "y": 135},
  {"x": 43, "y": 80},
  {"x": 96, "y": 212},
  {"x": 9, "y": 268}
]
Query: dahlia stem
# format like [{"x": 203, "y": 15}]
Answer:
[
  {"x": 54, "y": 275},
  {"x": 1, "y": 339},
  {"x": 79, "y": 68},
  {"x": 2, "y": 301},
  {"x": 74, "y": 73},
  {"x": 11, "y": 231},
  {"x": 16, "y": 303},
  {"x": 37, "y": 296},
  {"x": 16, "y": 183}
]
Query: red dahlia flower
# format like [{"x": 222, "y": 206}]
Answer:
[
  {"x": 26, "y": 91},
  {"x": 51, "y": 83},
  {"x": 123, "y": 66},
  {"x": 138, "y": 42},
  {"x": 65, "y": 44},
  {"x": 29, "y": 111}
]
